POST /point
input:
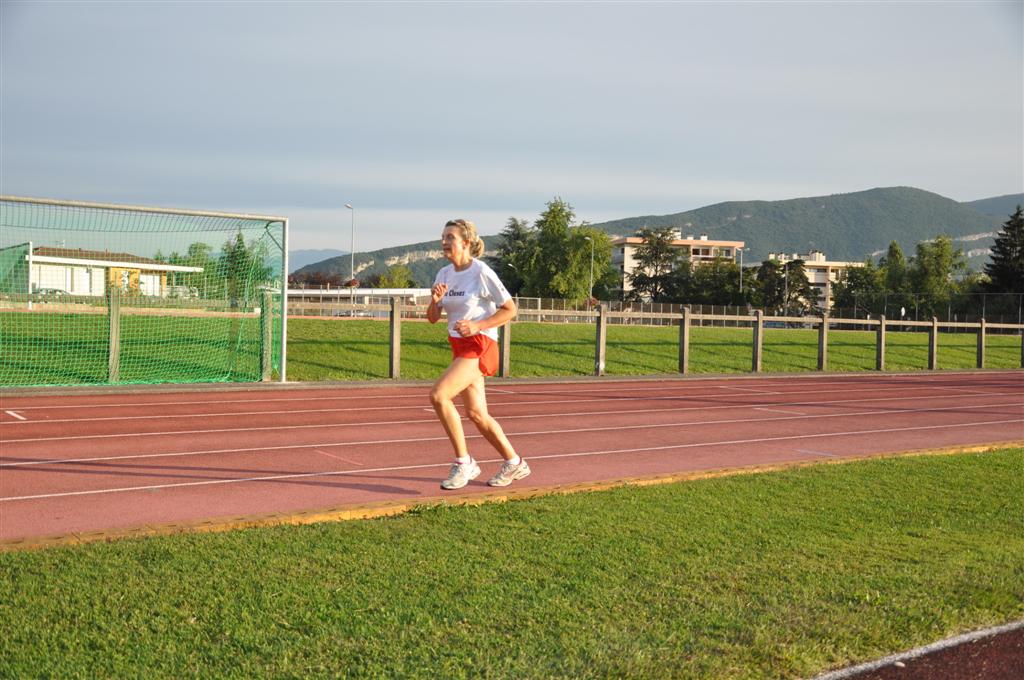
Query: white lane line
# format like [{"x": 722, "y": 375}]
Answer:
[
  {"x": 818, "y": 453},
  {"x": 14, "y": 414},
  {"x": 341, "y": 458},
  {"x": 901, "y": 382},
  {"x": 552, "y": 456},
  {"x": 747, "y": 389},
  {"x": 557, "y": 432},
  {"x": 775, "y": 410},
  {"x": 571, "y": 414}
]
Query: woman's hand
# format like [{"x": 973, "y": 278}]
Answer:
[
  {"x": 437, "y": 292},
  {"x": 467, "y": 328}
]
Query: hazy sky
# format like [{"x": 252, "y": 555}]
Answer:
[{"x": 418, "y": 112}]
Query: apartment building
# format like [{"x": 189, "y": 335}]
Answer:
[
  {"x": 700, "y": 249},
  {"x": 821, "y": 272}
]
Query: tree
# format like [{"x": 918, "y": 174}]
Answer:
[
  {"x": 937, "y": 273},
  {"x": 656, "y": 259},
  {"x": 396, "y": 276},
  {"x": 895, "y": 273},
  {"x": 711, "y": 283},
  {"x": 243, "y": 268},
  {"x": 555, "y": 261},
  {"x": 800, "y": 296},
  {"x": 1005, "y": 269},
  {"x": 860, "y": 289},
  {"x": 771, "y": 285},
  {"x": 515, "y": 254}
]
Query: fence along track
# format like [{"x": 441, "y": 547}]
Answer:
[{"x": 395, "y": 311}]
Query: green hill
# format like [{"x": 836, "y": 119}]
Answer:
[
  {"x": 843, "y": 226},
  {"x": 423, "y": 260},
  {"x": 999, "y": 206}
]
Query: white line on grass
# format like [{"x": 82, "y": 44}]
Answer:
[
  {"x": 560, "y": 431},
  {"x": 606, "y": 452}
]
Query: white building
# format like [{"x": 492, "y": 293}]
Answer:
[
  {"x": 821, "y": 272},
  {"x": 699, "y": 250},
  {"x": 78, "y": 272}
]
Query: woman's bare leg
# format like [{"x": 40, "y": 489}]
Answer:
[
  {"x": 457, "y": 377},
  {"x": 475, "y": 399}
]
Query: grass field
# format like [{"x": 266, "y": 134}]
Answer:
[
  {"x": 70, "y": 349},
  {"x": 61, "y": 349},
  {"x": 773, "y": 575},
  {"x": 357, "y": 349}
]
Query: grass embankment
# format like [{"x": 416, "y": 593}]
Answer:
[
  {"x": 358, "y": 349},
  {"x": 772, "y": 575}
]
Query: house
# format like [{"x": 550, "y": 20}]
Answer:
[
  {"x": 698, "y": 250},
  {"x": 79, "y": 272}
]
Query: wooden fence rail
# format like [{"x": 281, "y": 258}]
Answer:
[{"x": 601, "y": 316}]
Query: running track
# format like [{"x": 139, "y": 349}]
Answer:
[{"x": 88, "y": 463}]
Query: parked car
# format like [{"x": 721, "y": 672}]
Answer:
[{"x": 51, "y": 292}]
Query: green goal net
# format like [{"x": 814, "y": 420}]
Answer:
[{"x": 104, "y": 294}]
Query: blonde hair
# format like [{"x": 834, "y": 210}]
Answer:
[{"x": 468, "y": 231}]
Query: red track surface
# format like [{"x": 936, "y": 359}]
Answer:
[{"x": 105, "y": 461}]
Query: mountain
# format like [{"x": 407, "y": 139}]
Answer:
[
  {"x": 999, "y": 206},
  {"x": 848, "y": 227},
  {"x": 297, "y": 259},
  {"x": 843, "y": 226},
  {"x": 423, "y": 260}
]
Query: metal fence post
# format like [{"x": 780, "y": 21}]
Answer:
[
  {"x": 602, "y": 337},
  {"x": 758, "y": 335},
  {"x": 113, "y": 334},
  {"x": 880, "y": 345},
  {"x": 981, "y": 342},
  {"x": 933, "y": 344},
  {"x": 823, "y": 343},
  {"x": 395, "y": 355},
  {"x": 504, "y": 347},
  {"x": 684, "y": 342}
]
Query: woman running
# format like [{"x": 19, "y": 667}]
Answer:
[{"x": 477, "y": 304}]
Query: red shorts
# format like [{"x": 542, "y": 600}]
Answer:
[{"x": 477, "y": 346}]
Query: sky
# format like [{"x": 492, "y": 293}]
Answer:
[{"x": 418, "y": 112}]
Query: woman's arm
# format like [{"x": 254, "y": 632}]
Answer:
[
  {"x": 434, "y": 308},
  {"x": 501, "y": 316}
]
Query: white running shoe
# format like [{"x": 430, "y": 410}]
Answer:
[
  {"x": 509, "y": 473},
  {"x": 461, "y": 474}
]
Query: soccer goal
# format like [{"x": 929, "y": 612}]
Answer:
[{"x": 92, "y": 293}]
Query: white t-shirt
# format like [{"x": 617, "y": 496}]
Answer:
[{"x": 473, "y": 294}]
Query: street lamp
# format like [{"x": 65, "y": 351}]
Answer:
[
  {"x": 352, "y": 245},
  {"x": 591, "y": 295},
  {"x": 740, "y": 251}
]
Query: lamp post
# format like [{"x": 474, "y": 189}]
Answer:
[
  {"x": 591, "y": 294},
  {"x": 352, "y": 245},
  {"x": 740, "y": 251},
  {"x": 352, "y": 261}
]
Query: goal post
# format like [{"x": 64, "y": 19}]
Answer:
[{"x": 94, "y": 293}]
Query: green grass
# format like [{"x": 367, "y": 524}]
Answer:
[
  {"x": 346, "y": 350},
  {"x": 776, "y": 575},
  {"x": 68, "y": 349},
  {"x": 72, "y": 349}
]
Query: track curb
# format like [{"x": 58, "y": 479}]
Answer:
[{"x": 391, "y": 508}]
